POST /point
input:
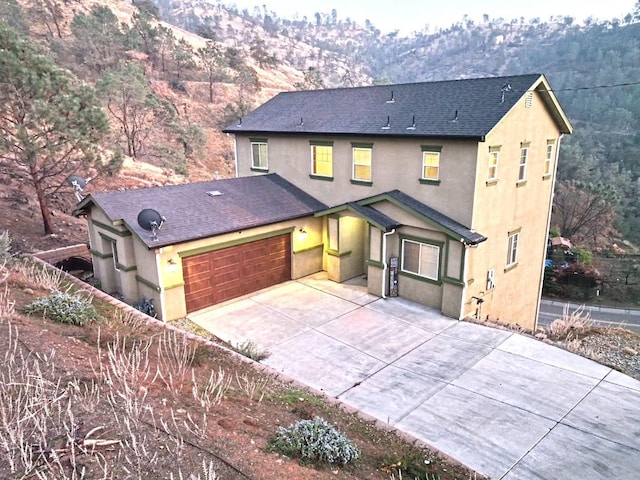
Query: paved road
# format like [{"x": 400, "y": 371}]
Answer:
[{"x": 605, "y": 316}]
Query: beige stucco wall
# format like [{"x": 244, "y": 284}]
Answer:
[
  {"x": 306, "y": 257},
  {"x": 349, "y": 260},
  {"x": 157, "y": 273},
  {"x": 396, "y": 164},
  {"x": 506, "y": 206}
]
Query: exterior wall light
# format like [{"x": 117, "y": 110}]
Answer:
[{"x": 302, "y": 234}]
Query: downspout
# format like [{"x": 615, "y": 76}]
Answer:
[
  {"x": 162, "y": 312},
  {"x": 464, "y": 280},
  {"x": 546, "y": 237},
  {"x": 385, "y": 265}
]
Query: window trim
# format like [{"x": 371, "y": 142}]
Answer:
[
  {"x": 513, "y": 243},
  {"x": 494, "y": 152},
  {"x": 362, "y": 147},
  {"x": 259, "y": 141},
  {"x": 426, "y": 150},
  {"x": 524, "y": 159},
  {"x": 314, "y": 175},
  {"x": 548, "y": 160},
  {"x": 427, "y": 243}
]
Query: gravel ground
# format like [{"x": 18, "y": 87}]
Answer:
[{"x": 614, "y": 347}]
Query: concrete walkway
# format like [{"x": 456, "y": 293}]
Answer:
[{"x": 506, "y": 405}]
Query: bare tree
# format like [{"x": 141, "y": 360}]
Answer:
[{"x": 584, "y": 209}]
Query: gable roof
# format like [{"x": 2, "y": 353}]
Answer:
[
  {"x": 196, "y": 210},
  {"x": 467, "y": 109},
  {"x": 365, "y": 208}
]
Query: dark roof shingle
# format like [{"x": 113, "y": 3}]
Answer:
[
  {"x": 468, "y": 108},
  {"x": 191, "y": 213}
]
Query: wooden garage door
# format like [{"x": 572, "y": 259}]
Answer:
[{"x": 214, "y": 277}]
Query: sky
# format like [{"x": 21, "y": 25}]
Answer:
[{"x": 412, "y": 15}]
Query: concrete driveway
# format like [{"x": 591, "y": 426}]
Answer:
[{"x": 506, "y": 405}]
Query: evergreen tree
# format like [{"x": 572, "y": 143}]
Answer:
[{"x": 51, "y": 124}]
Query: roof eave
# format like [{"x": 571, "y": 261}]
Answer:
[{"x": 480, "y": 137}]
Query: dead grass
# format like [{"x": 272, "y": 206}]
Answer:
[
  {"x": 120, "y": 398},
  {"x": 571, "y": 327}
]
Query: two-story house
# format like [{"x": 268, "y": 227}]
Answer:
[
  {"x": 439, "y": 192},
  {"x": 454, "y": 179}
]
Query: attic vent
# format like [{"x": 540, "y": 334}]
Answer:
[
  {"x": 392, "y": 99},
  {"x": 214, "y": 193},
  {"x": 528, "y": 100}
]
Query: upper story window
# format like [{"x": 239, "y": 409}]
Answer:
[
  {"x": 524, "y": 156},
  {"x": 422, "y": 259},
  {"x": 430, "y": 164},
  {"x": 494, "y": 156},
  {"x": 322, "y": 159},
  {"x": 362, "y": 157},
  {"x": 512, "y": 248},
  {"x": 548, "y": 159},
  {"x": 259, "y": 154}
]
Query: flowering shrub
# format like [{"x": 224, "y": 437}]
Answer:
[
  {"x": 315, "y": 441},
  {"x": 63, "y": 307}
]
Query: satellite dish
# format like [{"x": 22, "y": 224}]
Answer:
[
  {"x": 78, "y": 184},
  {"x": 151, "y": 220}
]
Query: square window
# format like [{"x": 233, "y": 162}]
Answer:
[
  {"x": 259, "y": 156},
  {"x": 322, "y": 160},
  {"x": 362, "y": 163},
  {"x": 493, "y": 165},
  {"x": 512, "y": 249},
  {"x": 420, "y": 259},
  {"x": 522, "y": 172},
  {"x": 430, "y": 165}
]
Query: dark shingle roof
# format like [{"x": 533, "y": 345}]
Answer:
[
  {"x": 447, "y": 223},
  {"x": 374, "y": 216},
  {"x": 191, "y": 213},
  {"x": 457, "y": 108}
]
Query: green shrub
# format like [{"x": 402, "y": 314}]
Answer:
[
  {"x": 585, "y": 257},
  {"x": 63, "y": 307},
  {"x": 251, "y": 350},
  {"x": 314, "y": 441}
]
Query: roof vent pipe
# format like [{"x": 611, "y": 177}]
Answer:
[
  {"x": 455, "y": 117},
  {"x": 392, "y": 99},
  {"x": 388, "y": 125},
  {"x": 301, "y": 122},
  {"x": 413, "y": 124}
]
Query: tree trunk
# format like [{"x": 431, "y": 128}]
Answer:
[{"x": 44, "y": 209}]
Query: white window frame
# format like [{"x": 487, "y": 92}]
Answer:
[
  {"x": 522, "y": 169},
  {"x": 425, "y": 155},
  {"x": 425, "y": 248},
  {"x": 114, "y": 251},
  {"x": 512, "y": 248},
  {"x": 493, "y": 166},
  {"x": 259, "y": 145},
  {"x": 355, "y": 164},
  {"x": 548, "y": 160},
  {"x": 314, "y": 155}
]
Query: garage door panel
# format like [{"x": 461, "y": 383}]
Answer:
[{"x": 221, "y": 275}]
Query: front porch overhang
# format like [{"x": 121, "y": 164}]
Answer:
[{"x": 436, "y": 219}]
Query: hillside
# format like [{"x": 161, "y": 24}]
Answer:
[{"x": 254, "y": 55}]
